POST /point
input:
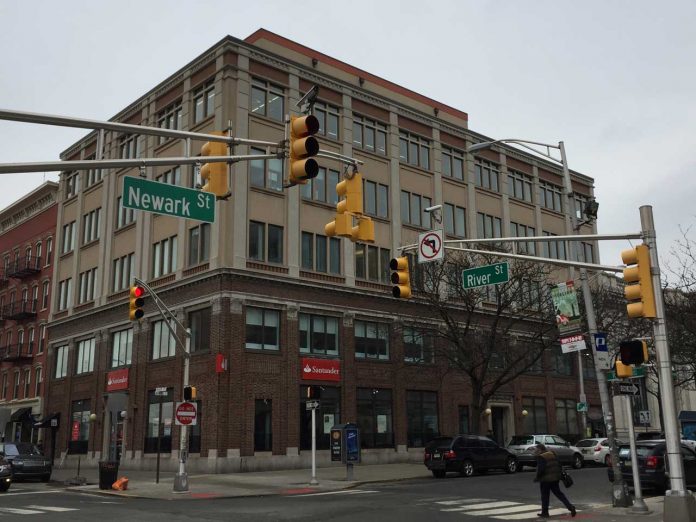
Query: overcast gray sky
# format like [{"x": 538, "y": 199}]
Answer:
[{"x": 615, "y": 80}]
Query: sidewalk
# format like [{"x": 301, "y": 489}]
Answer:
[{"x": 292, "y": 482}]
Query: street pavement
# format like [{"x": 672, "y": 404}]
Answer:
[{"x": 399, "y": 492}]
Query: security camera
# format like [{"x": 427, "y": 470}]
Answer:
[{"x": 431, "y": 209}]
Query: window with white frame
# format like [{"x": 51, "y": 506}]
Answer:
[
  {"x": 328, "y": 116},
  {"x": 129, "y": 146},
  {"x": 322, "y": 187},
  {"x": 418, "y": 346},
  {"x": 42, "y": 339},
  {"x": 550, "y": 196},
  {"x": 85, "y": 356},
  {"x": 321, "y": 253},
  {"x": 199, "y": 244},
  {"x": 123, "y": 270},
  {"x": 488, "y": 226},
  {"x": 262, "y": 328},
  {"x": 15, "y": 391},
  {"x": 412, "y": 209},
  {"x": 453, "y": 163},
  {"x": 199, "y": 323},
  {"x": 372, "y": 263},
  {"x": 38, "y": 379},
  {"x": 49, "y": 250},
  {"x": 170, "y": 177},
  {"x": 170, "y": 118},
  {"x": 90, "y": 226},
  {"x": 371, "y": 340},
  {"x": 164, "y": 256},
  {"x": 121, "y": 348},
  {"x": 455, "y": 220},
  {"x": 72, "y": 184},
  {"x": 266, "y": 173},
  {"x": 31, "y": 333},
  {"x": 163, "y": 342},
  {"x": 203, "y": 102},
  {"x": 486, "y": 174},
  {"x": 369, "y": 135},
  {"x": 87, "y": 282},
  {"x": 586, "y": 252},
  {"x": 4, "y": 386},
  {"x": 519, "y": 185},
  {"x": 267, "y": 99},
  {"x": 579, "y": 202},
  {"x": 125, "y": 216},
  {"x": 27, "y": 382},
  {"x": 37, "y": 254},
  {"x": 318, "y": 334},
  {"x": 64, "y": 294},
  {"x": 265, "y": 242},
  {"x": 93, "y": 176},
  {"x": 414, "y": 150},
  {"x": 375, "y": 199},
  {"x": 68, "y": 238},
  {"x": 61, "y": 361}
]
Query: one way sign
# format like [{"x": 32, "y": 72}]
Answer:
[{"x": 628, "y": 389}]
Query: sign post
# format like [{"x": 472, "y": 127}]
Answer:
[
  {"x": 313, "y": 405},
  {"x": 601, "y": 351},
  {"x": 485, "y": 275}
]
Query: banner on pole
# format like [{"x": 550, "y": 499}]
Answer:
[{"x": 565, "y": 304}]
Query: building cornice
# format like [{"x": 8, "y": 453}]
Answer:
[{"x": 22, "y": 210}]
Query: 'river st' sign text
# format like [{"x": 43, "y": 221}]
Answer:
[
  {"x": 162, "y": 198},
  {"x": 485, "y": 275}
]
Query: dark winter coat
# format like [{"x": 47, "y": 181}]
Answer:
[{"x": 548, "y": 467}]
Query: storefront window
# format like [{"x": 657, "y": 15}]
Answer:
[
  {"x": 79, "y": 427},
  {"x": 160, "y": 411},
  {"x": 328, "y": 414},
  {"x": 375, "y": 418},
  {"x": 421, "y": 410}
]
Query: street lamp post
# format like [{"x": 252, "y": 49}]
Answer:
[{"x": 621, "y": 496}]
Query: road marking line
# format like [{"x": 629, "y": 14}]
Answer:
[
  {"x": 17, "y": 511},
  {"x": 463, "y": 501},
  {"x": 29, "y": 493},
  {"x": 527, "y": 516},
  {"x": 341, "y": 492},
  {"x": 505, "y": 511},
  {"x": 486, "y": 505},
  {"x": 52, "y": 508}
]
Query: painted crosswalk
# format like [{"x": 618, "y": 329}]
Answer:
[
  {"x": 341, "y": 492},
  {"x": 494, "y": 509},
  {"x": 34, "y": 509}
]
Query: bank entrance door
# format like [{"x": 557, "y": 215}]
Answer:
[{"x": 499, "y": 424}]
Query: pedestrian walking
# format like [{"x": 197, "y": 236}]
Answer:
[{"x": 548, "y": 474}]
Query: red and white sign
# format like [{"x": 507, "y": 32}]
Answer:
[
  {"x": 117, "y": 380},
  {"x": 220, "y": 363},
  {"x": 574, "y": 343},
  {"x": 321, "y": 369},
  {"x": 75, "y": 431},
  {"x": 185, "y": 414},
  {"x": 430, "y": 246}
]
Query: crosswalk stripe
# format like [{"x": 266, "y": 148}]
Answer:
[
  {"x": 485, "y": 505},
  {"x": 505, "y": 511},
  {"x": 528, "y": 516},
  {"x": 52, "y": 508},
  {"x": 23, "y": 492},
  {"x": 341, "y": 492},
  {"x": 17, "y": 511},
  {"x": 464, "y": 501}
]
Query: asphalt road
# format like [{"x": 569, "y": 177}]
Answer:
[{"x": 513, "y": 497}]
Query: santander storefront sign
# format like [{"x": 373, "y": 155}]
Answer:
[
  {"x": 321, "y": 369},
  {"x": 117, "y": 380}
]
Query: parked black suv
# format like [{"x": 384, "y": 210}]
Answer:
[
  {"x": 5, "y": 474},
  {"x": 466, "y": 454},
  {"x": 26, "y": 460}
]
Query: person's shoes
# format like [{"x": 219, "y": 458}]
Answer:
[
  {"x": 543, "y": 515},
  {"x": 572, "y": 511}
]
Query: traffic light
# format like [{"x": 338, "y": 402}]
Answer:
[
  {"x": 365, "y": 231},
  {"x": 136, "y": 302},
  {"x": 190, "y": 393},
  {"x": 623, "y": 371},
  {"x": 313, "y": 392},
  {"x": 303, "y": 145},
  {"x": 214, "y": 175},
  {"x": 641, "y": 295},
  {"x": 400, "y": 277},
  {"x": 633, "y": 352},
  {"x": 350, "y": 194}
]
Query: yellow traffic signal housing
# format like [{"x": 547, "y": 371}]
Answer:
[
  {"x": 341, "y": 226},
  {"x": 640, "y": 292},
  {"x": 365, "y": 231},
  {"x": 136, "y": 303},
  {"x": 303, "y": 145},
  {"x": 351, "y": 190},
  {"x": 400, "y": 277},
  {"x": 623, "y": 371},
  {"x": 633, "y": 352},
  {"x": 190, "y": 393},
  {"x": 214, "y": 175}
]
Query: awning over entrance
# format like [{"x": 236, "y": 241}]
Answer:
[
  {"x": 46, "y": 421},
  {"x": 687, "y": 415},
  {"x": 21, "y": 415}
]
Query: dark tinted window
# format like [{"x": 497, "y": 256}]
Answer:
[
  {"x": 586, "y": 443},
  {"x": 472, "y": 442},
  {"x": 521, "y": 440},
  {"x": 487, "y": 443},
  {"x": 440, "y": 442}
]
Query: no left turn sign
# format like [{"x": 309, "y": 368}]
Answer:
[{"x": 430, "y": 246}]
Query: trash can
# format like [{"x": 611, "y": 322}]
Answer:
[{"x": 108, "y": 473}]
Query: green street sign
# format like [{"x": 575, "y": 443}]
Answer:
[
  {"x": 637, "y": 374},
  {"x": 161, "y": 198},
  {"x": 485, "y": 275},
  {"x": 581, "y": 407}
]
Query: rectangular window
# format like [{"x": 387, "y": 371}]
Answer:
[
  {"x": 4, "y": 385},
  {"x": 262, "y": 329},
  {"x": 323, "y": 187},
  {"x": 369, "y": 135},
  {"x": 579, "y": 202},
  {"x": 553, "y": 249},
  {"x": 86, "y": 285},
  {"x": 519, "y": 185},
  {"x": 90, "y": 226},
  {"x": 375, "y": 199},
  {"x": 170, "y": 118},
  {"x": 372, "y": 263},
  {"x": 265, "y": 242},
  {"x": 121, "y": 348},
  {"x": 49, "y": 250},
  {"x": 564, "y": 364},
  {"x": 328, "y": 116},
  {"x": 64, "y": 294},
  {"x": 129, "y": 147},
  {"x": 375, "y": 417},
  {"x": 488, "y": 226},
  {"x": 38, "y": 379},
  {"x": 42, "y": 338},
  {"x": 414, "y": 150},
  {"x": 125, "y": 216},
  {"x": 72, "y": 184},
  {"x": 520, "y": 230},
  {"x": 266, "y": 173},
  {"x": 463, "y": 419},
  {"x": 535, "y": 420},
  {"x": 160, "y": 413},
  {"x": 418, "y": 346},
  {"x": 164, "y": 256},
  {"x": 455, "y": 220},
  {"x": 199, "y": 322},
  {"x": 263, "y": 425},
  {"x": 550, "y": 196},
  {"x": 61, "y": 361},
  {"x": 15, "y": 390},
  {"x": 203, "y": 102},
  {"x": 566, "y": 418},
  {"x": 45, "y": 288},
  {"x": 486, "y": 174},
  {"x": 199, "y": 244},
  {"x": 452, "y": 163},
  {"x": 318, "y": 334},
  {"x": 421, "y": 413},
  {"x": 93, "y": 175},
  {"x": 123, "y": 269},
  {"x": 371, "y": 340},
  {"x": 267, "y": 99},
  {"x": 163, "y": 342},
  {"x": 68, "y": 236},
  {"x": 79, "y": 425},
  {"x": 412, "y": 209},
  {"x": 170, "y": 177},
  {"x": 320, "y": 253},
  {"x": 85, "y": 356},
  {"x": 586, "y": 252},
  {"x": 328, "y": 414}
]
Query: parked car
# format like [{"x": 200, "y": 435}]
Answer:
[
  {"x": 26, "y": 461},
  {"x": 650, "y": 435},
  {"x": 651, "y": 465},
  {"x": 523, "y": 447},
  {"x": 467, "y": 454},
  {"x": 595, "y": 450},
  {"x": 5, "y": 474}
]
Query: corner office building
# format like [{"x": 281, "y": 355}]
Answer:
[{"x": 263, "y": 287}]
